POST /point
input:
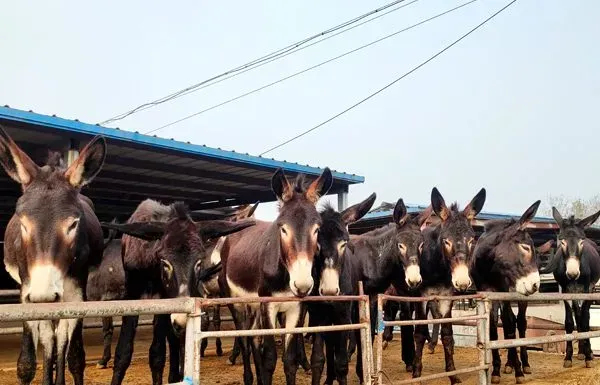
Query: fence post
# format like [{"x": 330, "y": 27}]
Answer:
[
  {"x": 379, "y": 341},
  {"x": 483, "y": 334},
  {"x": 191, "y": 367},
  {"x": 364, "y": 312}
]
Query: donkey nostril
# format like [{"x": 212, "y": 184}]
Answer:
[
  {"x": 56, "y": 297},
  {"x": 337, "y": 291},
  {"x": 28, "y": 298},
  {"x": 320, "y": 291}
]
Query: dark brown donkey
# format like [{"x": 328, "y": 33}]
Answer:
[
  {"x": 275, "y": 259},
  {"x": 162, "y": 251},
  {"x": 445, "y": 265},
  {"x": 505, "y": 260},
  {"x": 576, "y": 268},
  {"x": 390, "y": 256},
  {"x": 49, "y": 244}
]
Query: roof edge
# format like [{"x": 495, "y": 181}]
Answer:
[{"x": 30, "y": 117}]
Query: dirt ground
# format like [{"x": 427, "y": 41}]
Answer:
[{"x": 547, "y": 368}]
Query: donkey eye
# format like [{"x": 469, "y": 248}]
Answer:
[
  {"x": 448, "y": 243},
  {"x": 563, "y": 243},
  {"x": 316, "y": 232},
  {"x": 283, "y": 230},
  {"x": 342, "y": 247},
  {"x": 73, "y": 226},
  {"x": 580, "y": 244},
  {"x": 401, "y": 246},
  {"x": 421, "y": 247},
  {"x": 24, "y": 229},
  {"x": 525, "y": 247}
]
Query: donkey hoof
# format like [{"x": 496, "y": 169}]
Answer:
[
  {"x": 455, "y": 380},
  {"x": 101, "y": 365},
  {"x": 520, "y": 380},
  {"x": 385, "y": 345},
  {"x": 431, "y": 349},
  {"x": 409, "y": 368},
  {"x": 495, "y": 379},
  {"x": 581, "y": 356},
  {"x": 527, "y": 369},
  {"x": 508, "y": 369},
  {"x": 567, "y": 364},
  {"x": 588, "y": 364}
]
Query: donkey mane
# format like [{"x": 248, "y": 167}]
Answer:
[
  {"x": 55, "y": 160},
  {"x": 180, "y": 211},
  {"x": 570, "y": 221}
]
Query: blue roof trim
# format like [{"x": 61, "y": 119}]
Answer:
[
  {"x": 14, "y": 114},
  {"x": 483, "y": 215}
]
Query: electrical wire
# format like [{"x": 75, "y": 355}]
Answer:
[
  {"x": 390, "y": 84},
  {"x": 255, "y": 90},
  {"x": 278, "y": 54}
]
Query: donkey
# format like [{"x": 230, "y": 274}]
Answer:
[
  {"x": 390, "y": 257},
  {"x": 50, "y": 243},
  {"x": 107, "y": 283},
  {"x": 162, "y": 250},
  {"x": 333, "y": 275},
  {"x": 504, "y": 260},
  {"x": 576, "y": 268},
  {"x": 211, "y": 287},
  {"x": 275, "y": 259},
  {"x": 445, "y": 264}
]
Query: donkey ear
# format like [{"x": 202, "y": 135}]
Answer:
[
  {"x": 280, "y": 186},
  {"x": 218, "y": 228},
  {"x": 546, "y": 247},
  {"x": 246, "y": 212},
  {"x": 400, "y": 213},
  {"x": 88, "y": 164},
  {"x": 556, "y": 215},
  {"x": 528, "y": 215},
  {"x": 320, "y": 186},
  {"x": 475, "y": 206},
  {"x": 16, "y": 163},
  {"x": 586, "y": 222},
  {"x": 148, "y": 231},
  {"x": 439, "y": 205},
  {"x": 424, "y": 216},
  {"x": 354, "y": 213}
]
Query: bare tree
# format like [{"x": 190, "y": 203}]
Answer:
[{"x": 572, "y": 206}]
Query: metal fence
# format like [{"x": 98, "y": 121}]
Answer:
[
  {"x": 481, "y": 321},
  {"x": 193, "y": 308}
]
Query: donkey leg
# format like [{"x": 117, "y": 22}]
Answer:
[
  {"x": 26, "y": 363},
  {"x": 175, "y": 355},
  {"x": 124, "y": 349},
  {"x": 496, "y": 361},
  {"x": 359, "y": 367},
  {"x": 330, "y": 354},
  {"x": 351, "y": 345},
  {"x": 238, "y": 315},
  {"x": 340, "y": 342},
  {"x": 420, "y": 334},
  {"x": 448, "y": 340},
  {"x": 158, "y": 349},
  {"x": 585, "y": 327},
  {"x": 407, "y": 337},
  {"x": 317, "y": 358},
  {"x": 235, "y": 351},
  {"x": 569, "y": 327},
  {"x": 217, "y": 324},
  {"x": 522, "y": 327},
  {"x": 205, "y": 325},
  {"x": 509, "y": 324},
  {"x": 76, "y": 354},
  {"x": 107, "y": 334},
  {"x": 434, "y": 338}
]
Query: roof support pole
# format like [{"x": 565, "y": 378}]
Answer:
[
  {"x": 73, "y": 153},
  {"x": 343, "y": 200}
]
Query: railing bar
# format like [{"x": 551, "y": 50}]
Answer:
[
  {"x": 541, "y": 340},
  {"x": 431, "y": 377},
  {"x": 550, "y": 297},
  {"x": 433, "y": 321},
  {"x": 272, "y": 332},
  {"x": 245, "y": 300},
  {"x": 432, "y": 298}
]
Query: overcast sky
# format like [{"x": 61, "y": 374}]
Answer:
[{"x": 513, "y": 108}]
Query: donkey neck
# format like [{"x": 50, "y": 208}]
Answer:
[
  {"x": 435, "y": 269},
  {"x": 380, "y": 260}
]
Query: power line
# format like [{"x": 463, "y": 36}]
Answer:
[
  {"x": 282, "y": 52},
  {"x": 390, "y": 84},
  {"x": 307, "y": 69}
]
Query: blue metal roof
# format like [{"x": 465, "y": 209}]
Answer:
[
  {"x": 141, "y": 166},
  {"x": 483, "y": 215},
  {"x": 75, "y": 126}
]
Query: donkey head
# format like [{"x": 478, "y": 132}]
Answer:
[
  {"x": 179, "y": 247},
  {"x": 571, "y": 237},
  {"x": 297, "y": 227},
  {"x": 51, "y": 228},
  {"x": 408, "y": 239},
  {"x": 334, "y": 240},
  {"x": 457, "y": 238},
  {"x": 510, "y": 249}
]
